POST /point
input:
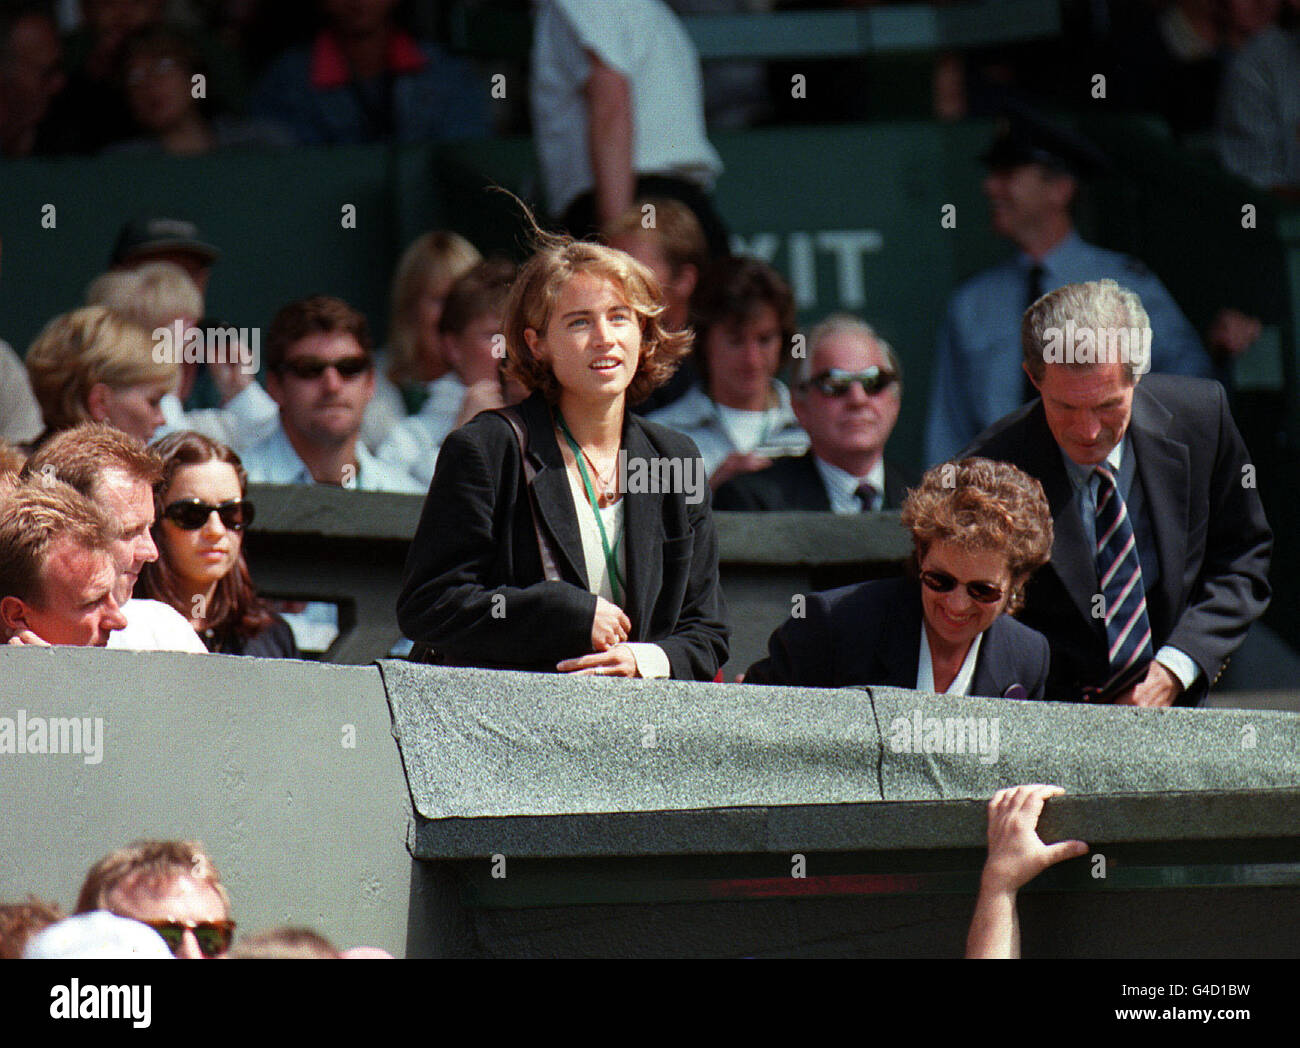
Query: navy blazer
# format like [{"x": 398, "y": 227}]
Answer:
[
  {"x": 794, "y": 483},
  {"x": 474, "y": 587},
  {"x": 1213, "y": 541},
  {"x": 871, "y": 634}
]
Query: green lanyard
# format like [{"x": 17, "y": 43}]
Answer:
[{"x": 616, "y": 583}]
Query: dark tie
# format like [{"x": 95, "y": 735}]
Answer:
[
  {"x": 1033, "y": 292},
  {"x": 866, "y": 495},
  {"x": 1119, "y": 574}
]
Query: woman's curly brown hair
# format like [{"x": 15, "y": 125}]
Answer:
[
  {"x": 532, "y": 300},
  {"x": 980, "y": 504}
]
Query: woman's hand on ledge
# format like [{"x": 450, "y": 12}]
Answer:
[
  {"x": 609, "y": 626},
  {"x": 618, "y": 661}
]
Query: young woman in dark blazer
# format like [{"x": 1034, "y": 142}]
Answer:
[
  {"x": 617, "y": 506},
  {"x": 979, "y": 529}
]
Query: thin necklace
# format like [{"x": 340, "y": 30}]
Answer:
[{"x": 608, "y": 487}]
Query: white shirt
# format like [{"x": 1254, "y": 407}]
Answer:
[
  {"x": 842, "y": 487},
  {"x": 651, "y": 660},
  {"x": 960, "y": 683},
  {"x": 274, "y": 461},
  {"x": 412, "y": 445},
  {"x": 696, "y": 415},
  {"x": 250, "y": 416},
  {"x": 152, "y": 625},
  {"x": 645, "y": 42}
]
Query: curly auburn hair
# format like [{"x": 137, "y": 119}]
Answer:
[
  {"x": 980, "y": 504},
  {"x": 235, "y": 611},
  {"x": 532, "y": 300}
]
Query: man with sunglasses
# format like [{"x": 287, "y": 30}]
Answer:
[
  {"x": 117, "y": 472},
  {"x": 847, "y": 395},
  {"x": 321, "y": 373},
  {"x": 173, "y": 887}
]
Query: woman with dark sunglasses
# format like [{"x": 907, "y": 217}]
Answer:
[
  {"x": 980, "y": 529},
  {"x": 200, "y": 571}
]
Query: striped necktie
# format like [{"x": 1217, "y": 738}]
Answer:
[{"x": 1119, "y": 574}]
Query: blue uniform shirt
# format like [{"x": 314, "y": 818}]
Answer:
[{"x": 977, "y": 373}]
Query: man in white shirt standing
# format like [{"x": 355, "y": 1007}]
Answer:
[
  {"x": 321, "y": 373},
  {"x": 117, "y": 472},
  {"x": 618, "y": 111}
]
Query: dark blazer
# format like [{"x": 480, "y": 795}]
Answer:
[
  {"x": 1213, "y": 541},
  {"x": 474, "y": 587},
  {"x": 794, "y": 483},
  {"x": 871, "y": 634},
  {"x": 274, "y": 642}
]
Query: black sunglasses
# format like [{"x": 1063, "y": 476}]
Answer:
[
  {"x": 192, "y": 514},
  {"x": 980, "y": 592},
  {"x": 213, "y": 937},
  {"x": 837, "y": 382},
  {"x": 308, "y": 368}
]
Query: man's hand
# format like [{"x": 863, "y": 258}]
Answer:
[
  {"x": 230, "y": 377},
  {"x": 27, "y": 637},
  {"x": 1016, "y": 853},
  {"x": 735, "y": 464},
  {"x": 1158, "y": 688},
  {"x": 617, "y": 662}
]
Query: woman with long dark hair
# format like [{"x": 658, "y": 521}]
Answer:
[{"x": 201, "y": 514}]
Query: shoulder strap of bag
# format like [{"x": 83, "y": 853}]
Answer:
[{"x": 550, "y": 566}]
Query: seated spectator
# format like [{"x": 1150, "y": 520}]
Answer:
[
  {"x": 91, "y": 365},
  {"x": 413, "y": 371},
  {"x": 160, "y": 295},
  {"x": 285, "y": 944},
  {"x": 364, "y": 79},
  {"x": 200, "y": 571},
  {"x": 157, "y": 238},
  {"x": 20, "y": 415},
  {"x": 979, "y": 529},
  {"x": 97, "y": 936},
  {"x": 57, "y": 570},
  {"x": 473, "y": 346},
  {"x": 173, "y": 887},
  {"x": 321, "y": 373},
  {"x": 742, "y": 416},
  {"x": 1016, "y": 856},
  {"x": 31, "y": 75},
  {"x": 90, "y": 111},
  {"x": 1258, "y": 120},
  {"x": 158, "y": 66},
  {"x": 672, "y": 245},
  {"x": 22, "y": 921},
  {"x": 848, "y": 390},
  {"x": 118, "y": 474}
]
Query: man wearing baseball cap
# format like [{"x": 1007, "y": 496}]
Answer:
[
  {"x": 1034, "y": 172},
  {"x": 160, "y": 239}
]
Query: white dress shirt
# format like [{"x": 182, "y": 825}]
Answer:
[{"x": 842, "y": 487}]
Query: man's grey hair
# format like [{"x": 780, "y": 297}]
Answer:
[
  {"x": 1061, "y": 326},
  {"x": 841, "y": 324}
]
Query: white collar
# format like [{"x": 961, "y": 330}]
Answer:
[{"x": 961, "y": 684}]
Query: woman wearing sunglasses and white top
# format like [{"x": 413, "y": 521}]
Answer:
[
  {"x": 979, "y": 529},
  {"x": 201, "y": 514}
]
